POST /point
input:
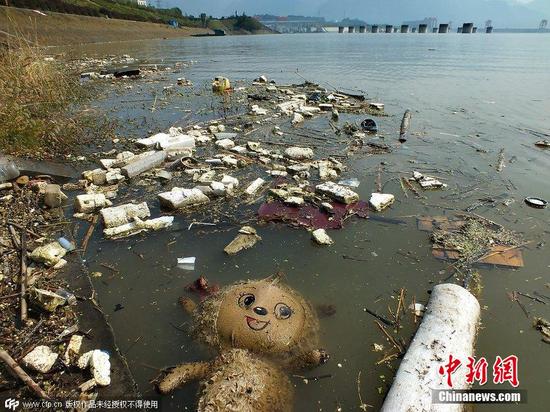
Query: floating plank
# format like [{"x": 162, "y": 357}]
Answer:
[
  {"x": 498, "y": 255},
  {"x": 429, "y": 223}
]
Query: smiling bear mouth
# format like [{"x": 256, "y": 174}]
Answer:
[{"x": 256, "y": 324}]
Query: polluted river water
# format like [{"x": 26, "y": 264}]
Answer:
[{"x": 470, "y": 97}]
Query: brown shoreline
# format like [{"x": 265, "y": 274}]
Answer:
[{"x": 58, "y": 29}]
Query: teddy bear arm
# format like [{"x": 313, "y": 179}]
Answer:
[
  {"x": 188, "y": 305},
  {"x": 310, "y": 359},
  {"x": 183, "y": 374}
]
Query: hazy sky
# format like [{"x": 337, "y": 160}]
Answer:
[{"x": 504, "y": 13}]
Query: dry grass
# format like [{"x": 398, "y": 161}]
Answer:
[
  {"x": 35, "y": 95},
  {"x": 475, "y": 239}
]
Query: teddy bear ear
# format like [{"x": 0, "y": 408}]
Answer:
[{"x": 276, "y": 278}]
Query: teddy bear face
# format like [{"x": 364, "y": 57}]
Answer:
[{"x": 261, "y": 316}]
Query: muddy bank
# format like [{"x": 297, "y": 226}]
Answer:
[
  {"x": 57, "y": 29},
  {"x": 49, "y": 314}
]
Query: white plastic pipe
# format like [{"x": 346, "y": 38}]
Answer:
[{"x": 448, "y": 328}]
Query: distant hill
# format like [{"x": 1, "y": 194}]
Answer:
[
  {"x": 504, "y": 13},
  {"x": 119, "y": 9}
]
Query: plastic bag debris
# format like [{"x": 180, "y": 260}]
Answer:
[
  {"x": 67, "y": 244},
  {"x": 99, "y": 364},
  {"x": 337, "y": 192},
  {"x": 40, "y": 359},
  {"x": 254, "y": 186},
  {"x": 139, "y": 164},
  {"x": 49, "y": 254},
  {"x": 220, "y": 84},
  {"x": 46, "y": 300},
  {"x": 53, "y": 196},
  {"x": 320, "y": 236},
  {"x": 138, "y": 226},
  {"x": 178, "y": 198},
  {"x": 89, "y": 203},
  {"x": 187, "y": 263},
  {"x": 427, "y": 182},
  {"x": 311, "y": 216},
  {"x": 299, "y": 153},
  {"x": 380, "y": 201},
  {"x": 246, "y": 239},
  {"x": 120, "y": 215},
  {"x": 353, "y": 182}
]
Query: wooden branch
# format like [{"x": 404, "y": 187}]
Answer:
[
  {"x": 17, "y": 372},
  {"x": 411, "y": 188},
  {"x": 379, "y": 179},
  {"x": 89, "y": 234},
  {"x": 14, "y": 237},
  {"x": 13, "y": 295},
  {"x": 23, "y": 278}
]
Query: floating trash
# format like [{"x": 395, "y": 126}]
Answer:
[
  {"x": 536, "y": 202},
  {"x": 369, "y": 126},
  {"x": 187, "y": 263}
]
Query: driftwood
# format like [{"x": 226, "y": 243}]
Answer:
[
  {"x": 23, "y": 279},
  {"x": 14, "y": 237},
  {"x": 89, "y": 234},
  {"x": 17, "y": 372}
]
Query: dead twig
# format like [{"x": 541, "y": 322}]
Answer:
[
  {"x": 14, "y": 237},
  {"x": 362, "y": 405},
  {"x": 28, "y": 336},
  {"x": 387, "y": 322},
  {"x": 531, "y": 297},
  {"x": 13, "y": 295},
  {"x": 403, "y": 187},
  {"x": 20, "y": 227},
  {"x": 513, "y": 296},
  {"x": 400, "y": 304},
  {"x": 412, "y": 188},
  {"x": 392, "y": 340},
  {"x": 111, "y": 268},
  {"x": 387, "y": 358}
]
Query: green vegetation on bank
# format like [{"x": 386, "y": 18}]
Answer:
[
  {"x": 125, "y": 10},
  {"x": 130, "y": 10},
  {"x": 238, "y": 23}
]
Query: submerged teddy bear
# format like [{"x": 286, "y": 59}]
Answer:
[{"x": 260, "y": 328}]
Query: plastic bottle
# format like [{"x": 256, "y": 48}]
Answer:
[{"x": 8, "y": 170}]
